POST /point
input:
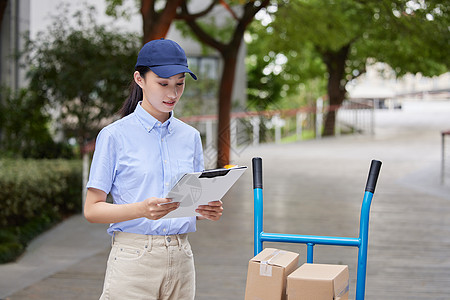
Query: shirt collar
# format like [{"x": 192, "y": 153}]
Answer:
[{"x": 149, "y": 122}]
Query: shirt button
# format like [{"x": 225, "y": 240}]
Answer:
[
  {"x": 167, "y": 183},
  {"x": 165, "y": 161},
  {"x": 164, "y": 229}
]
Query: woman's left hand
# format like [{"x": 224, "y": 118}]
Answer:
[{"x": 212, "y": 211}]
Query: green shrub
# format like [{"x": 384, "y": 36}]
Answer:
[
  {"x": 35, "y": 194},
  {"x": 31, "y": 187},
  {"x": 25, "y": 128},
  {"x": 14, "y": 239},
  {"x": 9, "y": 251}
]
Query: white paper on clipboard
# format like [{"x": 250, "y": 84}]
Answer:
[{"x": 199, "y": 188}]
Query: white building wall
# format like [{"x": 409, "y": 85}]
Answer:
[
  {"x": 379, "y": 82},
  {"x": 417, "y": 83}
]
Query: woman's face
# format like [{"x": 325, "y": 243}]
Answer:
[{"x": 160, "y": 94}]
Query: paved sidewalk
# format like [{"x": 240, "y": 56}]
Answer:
[
  {"x": 313, "y": 187},
  {"x": 69, "y": 243}
]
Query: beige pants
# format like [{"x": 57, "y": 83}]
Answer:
[{"x": 149, "y": 267}]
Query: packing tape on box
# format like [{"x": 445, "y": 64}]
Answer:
[
  {"x": 345, "y": 290},
  {"x": 265, "y": 269}
]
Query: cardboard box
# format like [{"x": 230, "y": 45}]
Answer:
[
  {"x": 267, "y": 274},
  {"x": 318, "y": 282}
]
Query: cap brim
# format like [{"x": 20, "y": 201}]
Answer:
[{"x": 167, "y": 71}]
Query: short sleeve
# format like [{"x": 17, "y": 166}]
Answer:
[
  {"x": 198, "y": 155},
  {"x": 103, "y": 166}
]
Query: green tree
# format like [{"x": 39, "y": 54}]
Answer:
[
  {"x": 226, "y": 39},
  {"x": 411, "y": 36},
  {"x": 25, "y": 128},
  {"x": 157, "y": 16},
  {"x": 280, "y": 77},
  {"x": 81, "y": 72}
]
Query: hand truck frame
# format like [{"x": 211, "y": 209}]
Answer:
[{"x": 310, "y": 240}]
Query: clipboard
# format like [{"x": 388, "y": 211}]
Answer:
[{"x": 199, "y": 188}]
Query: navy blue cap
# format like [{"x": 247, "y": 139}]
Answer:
[{"x": 164, "y": 57}]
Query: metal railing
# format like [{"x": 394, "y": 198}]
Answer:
[
  {"x": 251, "y": 128},
  {"x": 445, "y": 158}
]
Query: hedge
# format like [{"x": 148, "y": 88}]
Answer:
[{"x": 34, "y": 195}]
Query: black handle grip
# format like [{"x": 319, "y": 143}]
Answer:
[
  {"x": 257, "y": 172},
  {"x": 375, "y": 167}
]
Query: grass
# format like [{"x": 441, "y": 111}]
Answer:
[{"x": 306, "y": 135}]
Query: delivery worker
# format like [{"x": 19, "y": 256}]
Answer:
[{"x": 137, "y": 159}]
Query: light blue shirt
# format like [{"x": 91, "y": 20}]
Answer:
[{"x": 137, "y": 157}]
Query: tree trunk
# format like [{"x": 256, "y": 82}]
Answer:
[
  {"x": 225, "y": 100},
  {"x": 156, "y": 25},
  {"x": 330, "y": 122},
  {"x": 229, "y": 54},
  {"x": 335, "y": 62}
]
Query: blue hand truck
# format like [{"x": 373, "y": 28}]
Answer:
[{"x": 361, "y": 242}]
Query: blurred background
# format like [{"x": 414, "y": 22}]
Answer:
[{"x": 270, "y": 73}]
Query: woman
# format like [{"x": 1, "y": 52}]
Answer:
[{"x": 137, "y": 160}]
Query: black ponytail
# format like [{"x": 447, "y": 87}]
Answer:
[{"x": 135, "y": 94}]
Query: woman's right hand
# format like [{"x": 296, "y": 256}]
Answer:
[
  {"x": 156, "y": 208},
  {"x": 97, "y": 210}
]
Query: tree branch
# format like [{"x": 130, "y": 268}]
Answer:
[
  {"x": 227, "y": 7},
  {"x": 156, "y": 24},
  {"x": 185, "y": 15},
  {"x": 169, "y": 13},
  {"x": 249, "y": 13},
  {"x": 199, "y": 32}
]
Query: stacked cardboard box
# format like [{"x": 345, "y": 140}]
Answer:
[
  {"x": 273, "y": 275},
  {"x": 267, "y": 274},
  {"x": 318, "y": 282}
]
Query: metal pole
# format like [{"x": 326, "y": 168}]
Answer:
[
  {"x": 310, "y": 253},
  {"x": 233, "y": 133},
  {"x": 210, "y": 150},
  {"x": 277, "y": 120},
  {"x": 362, "y": 252},
  {"x": 364, "y": 229},
  {"x": 255, "y": 124},
  {"x": 209, "y": 133},
  {"x": 443, "y": 158},
  {"x": 319, "y": 117},
  {"x": 85, "y": 178},
  {"x": 258, "y": 204},
  {"x": 258, "y": 227},
  {"x": 299, "y": 125},
  {"x": 372, "y": 120}
]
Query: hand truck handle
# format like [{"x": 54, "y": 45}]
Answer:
[
  {"x": 375, "y": 167},
  {"x": 257, "y": 173}
]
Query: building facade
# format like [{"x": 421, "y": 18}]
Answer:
[{"x": 15, "y": 25}]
